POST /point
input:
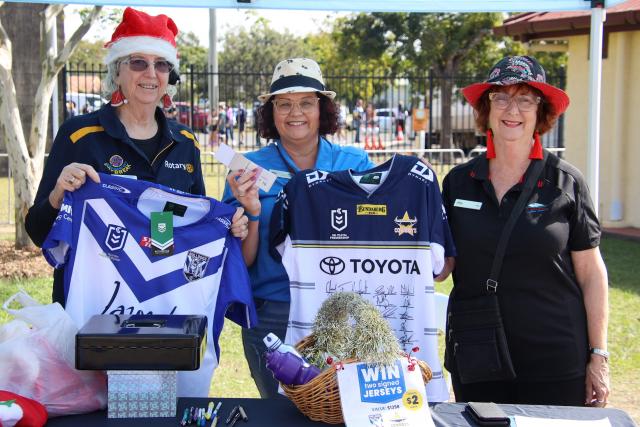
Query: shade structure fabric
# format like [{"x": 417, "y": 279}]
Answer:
[{"x": 359, "y": 5}]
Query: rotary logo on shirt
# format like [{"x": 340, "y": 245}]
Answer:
[
  {"x": 405, "y": 225},
  {"x": 117, "y": 165}
]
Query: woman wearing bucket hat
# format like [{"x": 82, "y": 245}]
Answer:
[
  {"x": 552, "y": 285},
  {"x": 297, "y": 112},
  {"x": 128, "y": 136}
]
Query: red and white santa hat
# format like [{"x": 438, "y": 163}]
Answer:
[{"x": 140, "y": 32}]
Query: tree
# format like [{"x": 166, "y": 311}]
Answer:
[
  {"x": 254, "y": 53},
  {"x": 191, "y": 52},
  {"x": 341, "y": 68},
  {"x": 444, "y": 42},
  {"x": 26, "y": 155}
]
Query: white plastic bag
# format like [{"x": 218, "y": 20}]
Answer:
[{"x": 37, "y": 351}]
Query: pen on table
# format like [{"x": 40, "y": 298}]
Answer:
[
  {"x": 215, "y": 415},
  {"x": 207, "y": 415},
  {"x": 185, "y": 417}
]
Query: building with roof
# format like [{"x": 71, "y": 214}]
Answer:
[{"x": 620, "y": 150}]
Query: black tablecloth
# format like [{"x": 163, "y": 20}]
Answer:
[{"x": 282, "y": 413}]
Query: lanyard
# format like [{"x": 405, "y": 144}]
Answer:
[{"x": 287, "y": 165}]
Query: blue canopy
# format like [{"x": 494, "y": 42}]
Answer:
[{"x": 360, "y": 5}]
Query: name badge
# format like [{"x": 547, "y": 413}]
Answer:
[{"x": 467, "y": 204}]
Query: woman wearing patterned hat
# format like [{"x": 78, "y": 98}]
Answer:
[
  {"x": 551, "y": 287},
  {"x": 130, "y": 135},
  {"x": 297, "y": 113}
]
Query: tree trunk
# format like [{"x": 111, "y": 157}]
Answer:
[{"x": 26, "y": 157}]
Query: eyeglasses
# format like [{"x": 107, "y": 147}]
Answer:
[
  {"x": 140, "y": 64},
  {"x": 502, "y": 101},
  {"x": 285, "y": 106}
]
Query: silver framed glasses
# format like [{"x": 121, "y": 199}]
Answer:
[
  {"x": 502, "y": 101},
  {"x": 141, "y": 64},
  {"x": 284, "y": 106}
]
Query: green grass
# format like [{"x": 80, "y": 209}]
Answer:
[{"x": 232, "y": 377}]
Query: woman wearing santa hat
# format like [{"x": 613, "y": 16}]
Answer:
[{"x": 130, "y": 136}]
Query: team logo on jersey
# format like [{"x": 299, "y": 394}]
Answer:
[
  {"x": 116, "y": 237},
  {"x": 339, "y": 219},
  {"x": 316, "y": 177},
  {"x": 332, "y": 265},
  {"x": 195, "y": 266},
  {"x": 422, "y": 171},
  {"x": 371, "y": 210},
  {"x": 405, "y": 225},
  {"x": 117, "y": 165},
  {"x": 184, "y": 166}
]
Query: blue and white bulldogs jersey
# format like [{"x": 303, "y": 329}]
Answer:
[
  {"x": 102, "y": 235},
  {"x": 385, "y": 245}
]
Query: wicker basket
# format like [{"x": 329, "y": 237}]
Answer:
[{"x": 319, "y": 399}]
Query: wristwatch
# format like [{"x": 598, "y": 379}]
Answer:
[{"x": 600, "y": 352}]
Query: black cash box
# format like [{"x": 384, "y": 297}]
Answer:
[{"x": 142, "y": 342}]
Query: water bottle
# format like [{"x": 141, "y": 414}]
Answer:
[{"x": 288, "y": 366}]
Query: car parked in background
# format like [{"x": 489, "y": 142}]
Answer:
[
  {"x": 85, "y": 102},
  {"x": 200, "y": 116},
  {"x": 386, "y": 119}
]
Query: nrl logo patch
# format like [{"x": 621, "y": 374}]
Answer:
[
  {"x": 339, "y": 219},
  {"x": 405, "y": 225},
  {"x": 116, "y": 237},
  {"x": 195, "y": 266}
]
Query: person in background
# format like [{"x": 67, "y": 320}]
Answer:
[
  {"x": 242, "y": 121},
  {"x": 230, "y": 124},
  {"x": 342, "y": 123},
  {"x": 371, "y": 128},
  {"x": 72, "y": 111},
  {"x": 297, "y": 113},
  {"x": 128, "y": 136},
  {"x": 213, "y": 128},
  {"x": 222, "y": 123},
  {"x": 401, "y": 115},
  {"x": 552, "y": 290}
]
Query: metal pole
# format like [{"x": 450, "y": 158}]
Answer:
[
  {"x": 54, "y": 96},
  {"x": 598, "y": 16},
  {"x": 213, "y": 62}
]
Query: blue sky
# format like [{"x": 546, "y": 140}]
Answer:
[{"x": 197, "y": 20}]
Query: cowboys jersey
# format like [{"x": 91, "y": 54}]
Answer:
[
  {"x": 104, "y": 237},
  {"x": 380, "y": 233}
]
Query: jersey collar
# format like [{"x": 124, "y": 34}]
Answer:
[{"x": 114, "y": 127}]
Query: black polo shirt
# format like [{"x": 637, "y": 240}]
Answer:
[{"x": 540, "y": 299}]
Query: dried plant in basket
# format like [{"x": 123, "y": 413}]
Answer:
[{"x": 350, "y": 327}]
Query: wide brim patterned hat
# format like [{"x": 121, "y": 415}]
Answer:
[
  {"x": 513, "y": 70},
  {"x": 297, "y": 75}
]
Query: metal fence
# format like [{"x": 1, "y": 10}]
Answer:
[
  {"x": 384, "y": 91},
  {"x": 442, "y": 160}
]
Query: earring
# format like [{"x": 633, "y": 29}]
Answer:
[
  {"x": 536, "y": 150},
  {"x": 117, "y": 98},
  {"x": 167, "y": 102},
  {"x": 491, "y": 148}
]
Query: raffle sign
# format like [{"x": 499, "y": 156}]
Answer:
[{"x": 383, "y": 396}]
